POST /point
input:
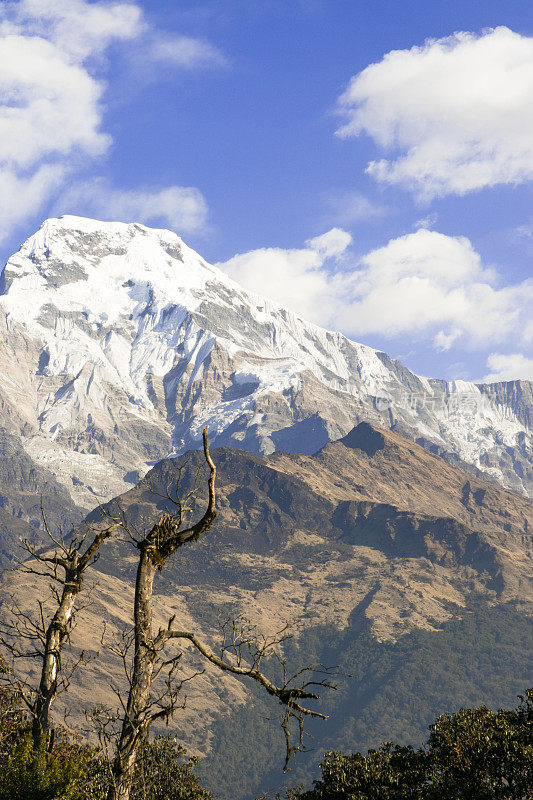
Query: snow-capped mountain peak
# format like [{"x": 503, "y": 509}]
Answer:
[
  {"x": 125, "y": 343},
  {"x": 98, "y": 268}
]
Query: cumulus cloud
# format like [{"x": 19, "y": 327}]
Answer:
[
  {"x": 26, "y": 194},
  {"x": 182, "y": 208},
  {"x": 50, "y": 106},
  {"x": 330, "y": 244},
  {"x": 299, "y": 279},
  {"x": 444, "y": 341},
  {"x": 457, "y": 113},
  {"x": 51, "y": 114},
  {"x": 424, "y": 284},
  {"x": 511, "y": 366}
]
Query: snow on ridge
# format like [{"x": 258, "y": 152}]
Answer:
[
  {"x": 114, "y": 288},
  {"x": 140, "y": 279},
  {"x": 111, "y": 287},
  {"x": 127, "y": 318}
]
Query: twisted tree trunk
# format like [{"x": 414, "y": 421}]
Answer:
[{"x": 155, "y": 548}]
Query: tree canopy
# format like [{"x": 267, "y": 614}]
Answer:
[{"x": 473, "y": 754}]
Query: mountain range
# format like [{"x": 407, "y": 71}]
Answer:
[
  {"x": 119, "y": 344},
  {"x": 377, "y": 553},
  {"x": 385, "y": 516}
]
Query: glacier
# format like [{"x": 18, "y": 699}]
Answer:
[{"x": 120, "y": 343}]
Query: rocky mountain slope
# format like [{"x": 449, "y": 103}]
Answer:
[
  {"x": 22, "y": 485},
  {"x": 118, "y": 343},
  {"x": 380, "y": 554}
]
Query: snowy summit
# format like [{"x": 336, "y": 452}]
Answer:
[{"x": 121, "y": 343}]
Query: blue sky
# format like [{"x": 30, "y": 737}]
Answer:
[{"x": 392, "y": 202}]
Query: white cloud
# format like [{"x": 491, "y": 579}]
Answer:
[
  {"x": 187, "y": 52},
  {"x": 458, "y": 112},
  {"x": 527, "y": 331},
  {"x": 26, "y": 194},
  {"x": 427, "y": 282},
  {"x": 50, "y": 106},
  {"x": 78, "y": 28},
  {"x": 422, "y": 284},
  {"x": 525, "y": 231},
  {"x": 298, "y": 279},
  {"x": 513, "y": 366},
  {"x": 330, "y": 244},
  {"x": 182, "y": 208},
  {"x": 426, "y": 222},
  {"x": 51, "y": 114},
  {"x": 443, "y": 341}
]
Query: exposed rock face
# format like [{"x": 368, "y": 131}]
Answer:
[{"x": 118, "y": 344}]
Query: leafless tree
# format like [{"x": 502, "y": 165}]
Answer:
[
  {"x": 43, "y": 636},
  {"x": 241, "y": 654}
]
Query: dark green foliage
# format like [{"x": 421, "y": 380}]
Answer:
[
  {"x": 483, "y": 755},
  {"x": 474, "y": 754},
  {"x": 163, "y": 772},
  {"x": 390, "y": 772},
  {"x": 59, "y": 775},
  {"x": 12, "y": 719},
  {"x": 71, "y": 771}
]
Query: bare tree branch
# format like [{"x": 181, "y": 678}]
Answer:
[
  {"x": 65, "y": 567},
  {"x": 242, "y": 651}
]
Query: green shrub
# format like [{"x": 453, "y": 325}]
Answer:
[
  {"x": 26, "y": 775},
  {"x": 480, "y": 754},
  {"x": 391, "y": 771},
  {"x": 474, "y": 754},
  {"x": 163, "y": 772},
  {"x": 71, "y": 771}
]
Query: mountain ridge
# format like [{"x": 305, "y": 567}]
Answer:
[
  {"x": 367, "y": 547},
  {"x": 120, "y": 344}
]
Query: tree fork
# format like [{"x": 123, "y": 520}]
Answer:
[{"x": 155, "y": 549}]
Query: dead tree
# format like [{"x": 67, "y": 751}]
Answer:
[
  {"x": 241, "y": 657},
  {"x": 44, "y": 636}
]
